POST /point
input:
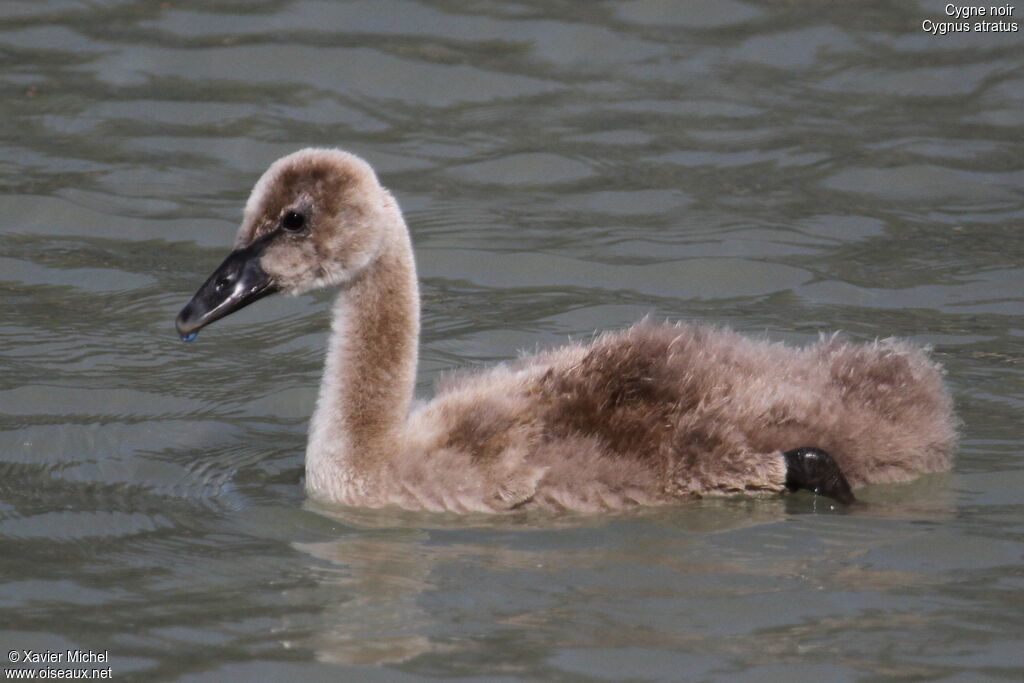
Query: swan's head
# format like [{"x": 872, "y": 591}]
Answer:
[{"x": 315, "y": 219}]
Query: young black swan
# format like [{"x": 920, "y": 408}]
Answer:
[{"x": 648, "y": 415}]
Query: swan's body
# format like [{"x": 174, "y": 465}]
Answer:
[{"x": 645, "y": 416}]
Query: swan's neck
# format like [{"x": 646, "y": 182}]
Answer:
[{"x": 368, "y": 380}]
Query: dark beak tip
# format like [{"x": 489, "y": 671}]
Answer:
[{"x": 184, "y": 323}]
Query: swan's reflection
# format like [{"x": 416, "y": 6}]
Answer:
[
  {"x": 398, "y": 585},
  {"x": 371, "y": 615}
]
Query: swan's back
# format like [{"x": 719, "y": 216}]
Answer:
[{"x": 660, "y": 411}]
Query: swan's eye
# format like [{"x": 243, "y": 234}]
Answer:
[{"x": 293, "y": 221}]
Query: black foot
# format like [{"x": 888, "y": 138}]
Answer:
[{"x": 815, "y": 470}]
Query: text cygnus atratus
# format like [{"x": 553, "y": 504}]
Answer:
[{"x": 648, "y": 415}]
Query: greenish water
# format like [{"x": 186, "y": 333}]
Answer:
[{"x": 785, "y": 168}]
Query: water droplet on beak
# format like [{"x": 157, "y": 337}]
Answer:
[{"x": 189, "y": 337}]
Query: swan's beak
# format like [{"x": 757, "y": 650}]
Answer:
[{"x": 238, "y": 282}]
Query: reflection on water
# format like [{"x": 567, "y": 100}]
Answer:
[
  {"x": 783, "y": 168},
  {"x": 725, "y": 577}
]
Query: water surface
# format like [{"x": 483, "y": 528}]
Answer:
[{"x": 785, "y": 168}]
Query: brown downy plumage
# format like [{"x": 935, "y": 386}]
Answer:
[{"x": 648, "y": 415}]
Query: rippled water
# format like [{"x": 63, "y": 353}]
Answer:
[{"x": 781, "y": 167}]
